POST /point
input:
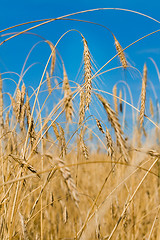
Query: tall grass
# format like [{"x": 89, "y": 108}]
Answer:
[{"x": 69, "y": 170}]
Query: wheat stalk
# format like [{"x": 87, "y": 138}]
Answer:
[
  {"x": 113, "y": 119},
  {"x": 143, "y": 95},
  {"x": 87, "y": 73}
]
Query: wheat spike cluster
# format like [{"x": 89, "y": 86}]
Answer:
[{"x": 79, "y": 130}]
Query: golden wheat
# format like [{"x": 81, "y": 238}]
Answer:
[
  {"x": 87, "y": 73},
  {"x": 143, "y": 95}
]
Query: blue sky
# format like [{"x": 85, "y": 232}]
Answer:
[{"x": 126, "y": 26}]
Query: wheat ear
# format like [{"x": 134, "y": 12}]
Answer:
[
  {"x": 109, "y": 143},
  {"x": 120, "y": 53},
  {"x": 82, "y": 106},
  {"x": 66, "y": 174},
  {"x": 143, "y": 95},
  {"x": 68, "y": 106},
  {"x": 23, "y": 226},
  {"x": 151, "y": 108},
  {"x": 99, "y": 126},
  {"x": 87, "y": 73},
  {"x": 18, "y": 103},
  {"x": 48, "y": 83},
  {"x": 113, "y": 119},
  {"x": 53, "y": 60},
  {"x": 115, "y": 98}
]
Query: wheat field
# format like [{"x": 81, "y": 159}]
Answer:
[{"x": 70, "y": 169}]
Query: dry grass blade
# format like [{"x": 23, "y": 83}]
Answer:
[
  {"x": 87, "y": 73},
  {"x": 143, "y": 95},
  {"x": 68, "y": 106},
  {"x": 115, "y": 99},
  {"x": 120, "y": 53},
  {"x": 113, "y": 119}
]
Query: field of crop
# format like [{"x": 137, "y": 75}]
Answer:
[{"x": 70, "y": 166}]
